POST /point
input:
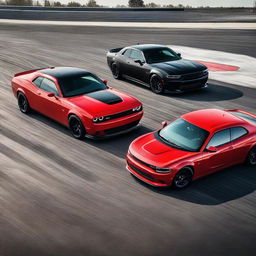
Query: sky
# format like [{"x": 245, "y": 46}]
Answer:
[{"x": 193, "y": 3}]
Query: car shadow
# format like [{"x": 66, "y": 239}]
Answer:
[
  {"x": 214, "y": 92},
  {"x": 117, "y": 145},
  {"x": 224, "y": 186}
]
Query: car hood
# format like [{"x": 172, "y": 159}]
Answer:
[
  {"x": 154, "y": 152},
  {"x": 179, "y": 67},
  {"x": 104, "y": 102}
]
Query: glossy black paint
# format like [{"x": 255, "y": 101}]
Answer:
[{"x": 193, "y": 75}]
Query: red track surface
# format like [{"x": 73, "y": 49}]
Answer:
[{"x": 218, "y": 67}]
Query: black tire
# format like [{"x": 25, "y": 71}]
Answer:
[
  {"x": 183, "y": 178},
  {"x": 115, "y": 71},
  {"x": 23, "y": 103},
  {"x": 156, "y": 84},
  {"x": 251, "y": 157},
  {"x": 76, "y": 127}
]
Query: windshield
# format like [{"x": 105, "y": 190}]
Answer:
[
  {"x": 156, "y": 55},
  {"x": 184, "y": 135},
  {"x": 77, "y": 85}
]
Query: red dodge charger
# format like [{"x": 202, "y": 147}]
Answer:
[
  {"x": 77, "y": 99},
  {"x": 194, "y": 145}
]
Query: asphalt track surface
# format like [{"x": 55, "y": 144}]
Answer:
[{"x": 60, "y": 196}]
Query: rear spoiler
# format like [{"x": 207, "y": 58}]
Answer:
[
  {"x": 241, "y": 111},
  {"x": 29, "y": 71}
]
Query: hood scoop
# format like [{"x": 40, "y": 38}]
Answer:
[
  {"x": 105, "y": 97},
  {"x": 155, "y": 147}
]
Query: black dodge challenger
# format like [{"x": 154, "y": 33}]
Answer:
[{"x": 157, "y": 67}]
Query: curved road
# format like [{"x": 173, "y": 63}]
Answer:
[{"x": 60, "y": 196}]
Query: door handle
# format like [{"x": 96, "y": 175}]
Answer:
[
  {"x": 231, "y": 147},
  {"x": 39, "y": 93}
]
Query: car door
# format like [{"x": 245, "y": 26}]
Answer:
[
  {"x": 213, "y": 161},
  {"x": 124, "y": 62},
  {"x": 240, "y": 143},
  {"x": 50, "y": 106}
]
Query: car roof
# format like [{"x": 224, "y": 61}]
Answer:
[
  {"x": 143, "y": 47},
  {"x": 212, "y": 119},
  {"x": 64, "y": 72}
]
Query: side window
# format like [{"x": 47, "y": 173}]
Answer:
[
  {"x": 37, "y": 81},
  {"x": 49, "y": 86},
  {"x": 136, "y": 55},
  {"x": 237, "y": 132},
  {"x": 220, "y": 138},
  {"x": 127, "y": 53}
]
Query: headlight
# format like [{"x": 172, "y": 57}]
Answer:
[
  {"x": 160, "y": 170},
  {"x": 98, "y": 119},
  {"x": 163, "y": 170},
  {"x": 137, "y": 109},
  {"x": 205, "y": 72},
  {"x": 173, "y": 76}
]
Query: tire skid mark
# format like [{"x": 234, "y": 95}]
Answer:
[{"x": 48, "y": 153}]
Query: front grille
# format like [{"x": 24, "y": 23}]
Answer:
[
  {"x": 121, "y": 114},
  {"x": 121, "y": 128},
  {"x": 192, "y": 76},
  {"x": 140, "y": 172},
  {"x": 138, "y": 160},
  {"x": 192, "y": 86}
]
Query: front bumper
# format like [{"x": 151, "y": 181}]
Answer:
[
  {"x": 177, "y": 86},
  {"x": 114, "y": 127},
  {"x": 148, "y": 175}
]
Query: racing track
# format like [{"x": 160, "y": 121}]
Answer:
[{"x": 60, "y": 196}]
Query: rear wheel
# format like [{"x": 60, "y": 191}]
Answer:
[
  {"x": 76, "y": 126},
  {"x": 251, "y": 157},
  {"x": 156, "y": 84},
  {"x": 115, "y": 71},
  {"x": 23, "y": 103},
  {"x": 183, "y": 178}
]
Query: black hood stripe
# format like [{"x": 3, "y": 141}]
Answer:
[{"x": 105, "y": 97}]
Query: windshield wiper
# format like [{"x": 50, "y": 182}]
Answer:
[{"x": 169, "y": 142}]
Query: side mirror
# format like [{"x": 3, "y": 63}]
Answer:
[
  {"x": 51, "y": 94},
  {"x": 212, "y": 149},
  {"x": 178, "y": 54},
  {"x": 105, "y": 82},
  {"x": 164, "y": 123},
  {"x": 139, "y": 61}
]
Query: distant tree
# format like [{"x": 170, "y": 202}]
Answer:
[
  {"x": 168, "y": 6},
  {"x": 152, "y": 5},
  {"x": 136, "y": 3},
  {"x": 20, "y": 2},
  {"x": 37, "y": 3},
  {"x": 74, "y": 4},
  {"x": 57, "y": 4},
  {"x": 121, "y": 6},
  {"x": 92, "y": 3},
  {"x": 47, "y": 3}
]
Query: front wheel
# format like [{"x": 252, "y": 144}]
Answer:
[
  {"x": 23, "y": 103},
  {"x": 156, "y": 84},
  {"x": 183, "y": 178},
  {"x": 76, "y": 126},
  {"x": 251, "y": 157}
]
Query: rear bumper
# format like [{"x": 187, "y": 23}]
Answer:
[
  {"x": 114, "y": 127},
  {"x": 186, "y": 85},
  {"x": 147, "y": 175}
]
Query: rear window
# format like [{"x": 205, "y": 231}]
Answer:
[{"x": 244, "y": 116}]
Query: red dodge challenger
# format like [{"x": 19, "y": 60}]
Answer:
[
  {"x": 77, "y": 99},
  {"x": 194, "y": 145}
]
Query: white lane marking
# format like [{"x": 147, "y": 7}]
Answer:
[
  {"x": 199, "y": 25},
  {"x": 245, "y": 76}
]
